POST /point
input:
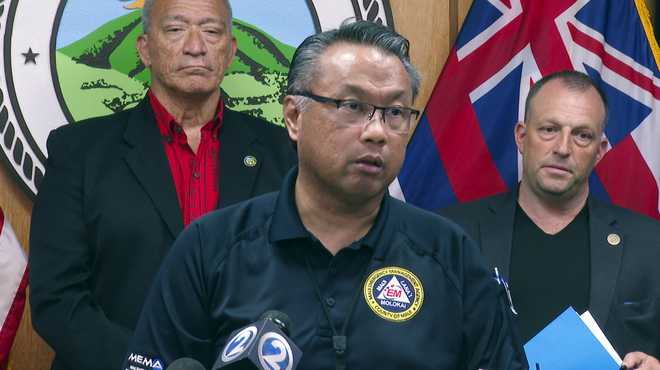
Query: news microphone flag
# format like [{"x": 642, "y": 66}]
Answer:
[
  {"x": 13, "y": 282},
  {"x": 261, "y": 345},
  {"x": 463, "y": 147}
]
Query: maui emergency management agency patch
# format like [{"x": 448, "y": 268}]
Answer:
[
  {"x": 69, "y": 60},
  {"x": 394, "y": 293}
]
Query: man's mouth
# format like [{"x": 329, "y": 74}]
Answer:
[
  {"x": 558, "y": 168},
  {"x": 195, "y": 68},
  {"x": 371, "y": 163}
]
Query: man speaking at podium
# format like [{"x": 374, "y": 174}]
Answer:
[
  {"x": 368, "y": 282},
  {"x": 556, "y": 244}
]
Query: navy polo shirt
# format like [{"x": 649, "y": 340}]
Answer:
[{"x": 421, "y": 295}]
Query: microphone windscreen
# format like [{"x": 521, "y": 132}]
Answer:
[
  {"x": 186, "y": 363},
  {"x": 280, "y": 318}
]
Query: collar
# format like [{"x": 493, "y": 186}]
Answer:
[
  {"x": 168, "y": 126},
  {"x": 287, "y": 224}
]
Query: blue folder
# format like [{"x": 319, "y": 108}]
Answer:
[{"x": 567, "y": 344}]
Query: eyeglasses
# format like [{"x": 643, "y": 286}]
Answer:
[{"x": 356, "y": 113}]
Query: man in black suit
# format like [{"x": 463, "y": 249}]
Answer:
[
  {"x": 119, "y": 189},
  {"x": 557, "y": 245}
]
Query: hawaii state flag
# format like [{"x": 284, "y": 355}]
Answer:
[
  {"x": 13, "y": 281},
  {"x": 463, "y": 147}
]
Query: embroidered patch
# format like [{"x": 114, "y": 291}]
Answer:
[{"x": 394, "y": 293}]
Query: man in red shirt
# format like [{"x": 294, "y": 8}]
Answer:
[{"x": 119, "y": 189}]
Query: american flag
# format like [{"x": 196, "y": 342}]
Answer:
[
  {"x": 13, "y": 282},
  {"x": 463, "y": 147}
]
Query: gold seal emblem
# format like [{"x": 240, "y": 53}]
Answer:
[{"x": 394, "y": 293}]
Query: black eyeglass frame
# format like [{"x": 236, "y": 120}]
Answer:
[{"x": 339, "y": 102}]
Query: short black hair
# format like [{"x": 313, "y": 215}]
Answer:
[{"x": 306, "y": 57}]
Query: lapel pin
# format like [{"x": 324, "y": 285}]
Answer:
[
  {"x": 249, "y": 161},
  {"x": 613, "y": 239}
]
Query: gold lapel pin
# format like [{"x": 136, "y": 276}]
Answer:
[
  {"x": 614, "y": 239},
  {"x": 249, "y": 161}
]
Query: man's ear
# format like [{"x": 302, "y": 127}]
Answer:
[
  {"x": 143, "y": 49},
  {"x": 291, "y": 117},
  {"x": 519, "y": 132},
  {"x": 234, "y": 48},
  {"x": 602, "y": 148}
]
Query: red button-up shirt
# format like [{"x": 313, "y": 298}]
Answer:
[{"x": 196, "y": 175}]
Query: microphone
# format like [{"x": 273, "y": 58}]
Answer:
[
  {"x": 186, "y": 363},
  {"x": 263, "y": 345}
]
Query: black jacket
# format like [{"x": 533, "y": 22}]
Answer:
[
  {"x": 106, "y": 215},
  {"x": 625, "y": 278}
]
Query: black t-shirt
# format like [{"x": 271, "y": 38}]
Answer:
[{"x": 548, "y": 272}]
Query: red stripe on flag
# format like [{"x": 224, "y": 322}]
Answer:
[
  {"x": 612, "y": 63},
  {"x": 464, "y": 152},
  {"x": 616, "y": 170},
  {"x": 457, "y": 134},
  {"x": 545, "y": 40},
  {"x": 13, "y": 320}
]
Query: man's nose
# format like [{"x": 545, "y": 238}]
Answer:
[
  {"x": 194, "y": 42},
  {"x": 374, "y": 129},
  {"x": 564, "y": 143}
]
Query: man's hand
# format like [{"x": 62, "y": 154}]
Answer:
[{"x": 640, "y": 361}]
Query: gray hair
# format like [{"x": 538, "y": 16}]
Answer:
[
  {"x": 149, "y": 4},
  {"x": 572, "y": 80},
  {"x": 306, "y": 57}
]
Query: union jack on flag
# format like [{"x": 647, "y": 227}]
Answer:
[{"x": 463, "y": 147}]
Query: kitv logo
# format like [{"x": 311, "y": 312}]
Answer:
[
  {"x": 239, "y": 343},
  {"x": 275, "y": 352},
  {"x": 150, "y": 363}
]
